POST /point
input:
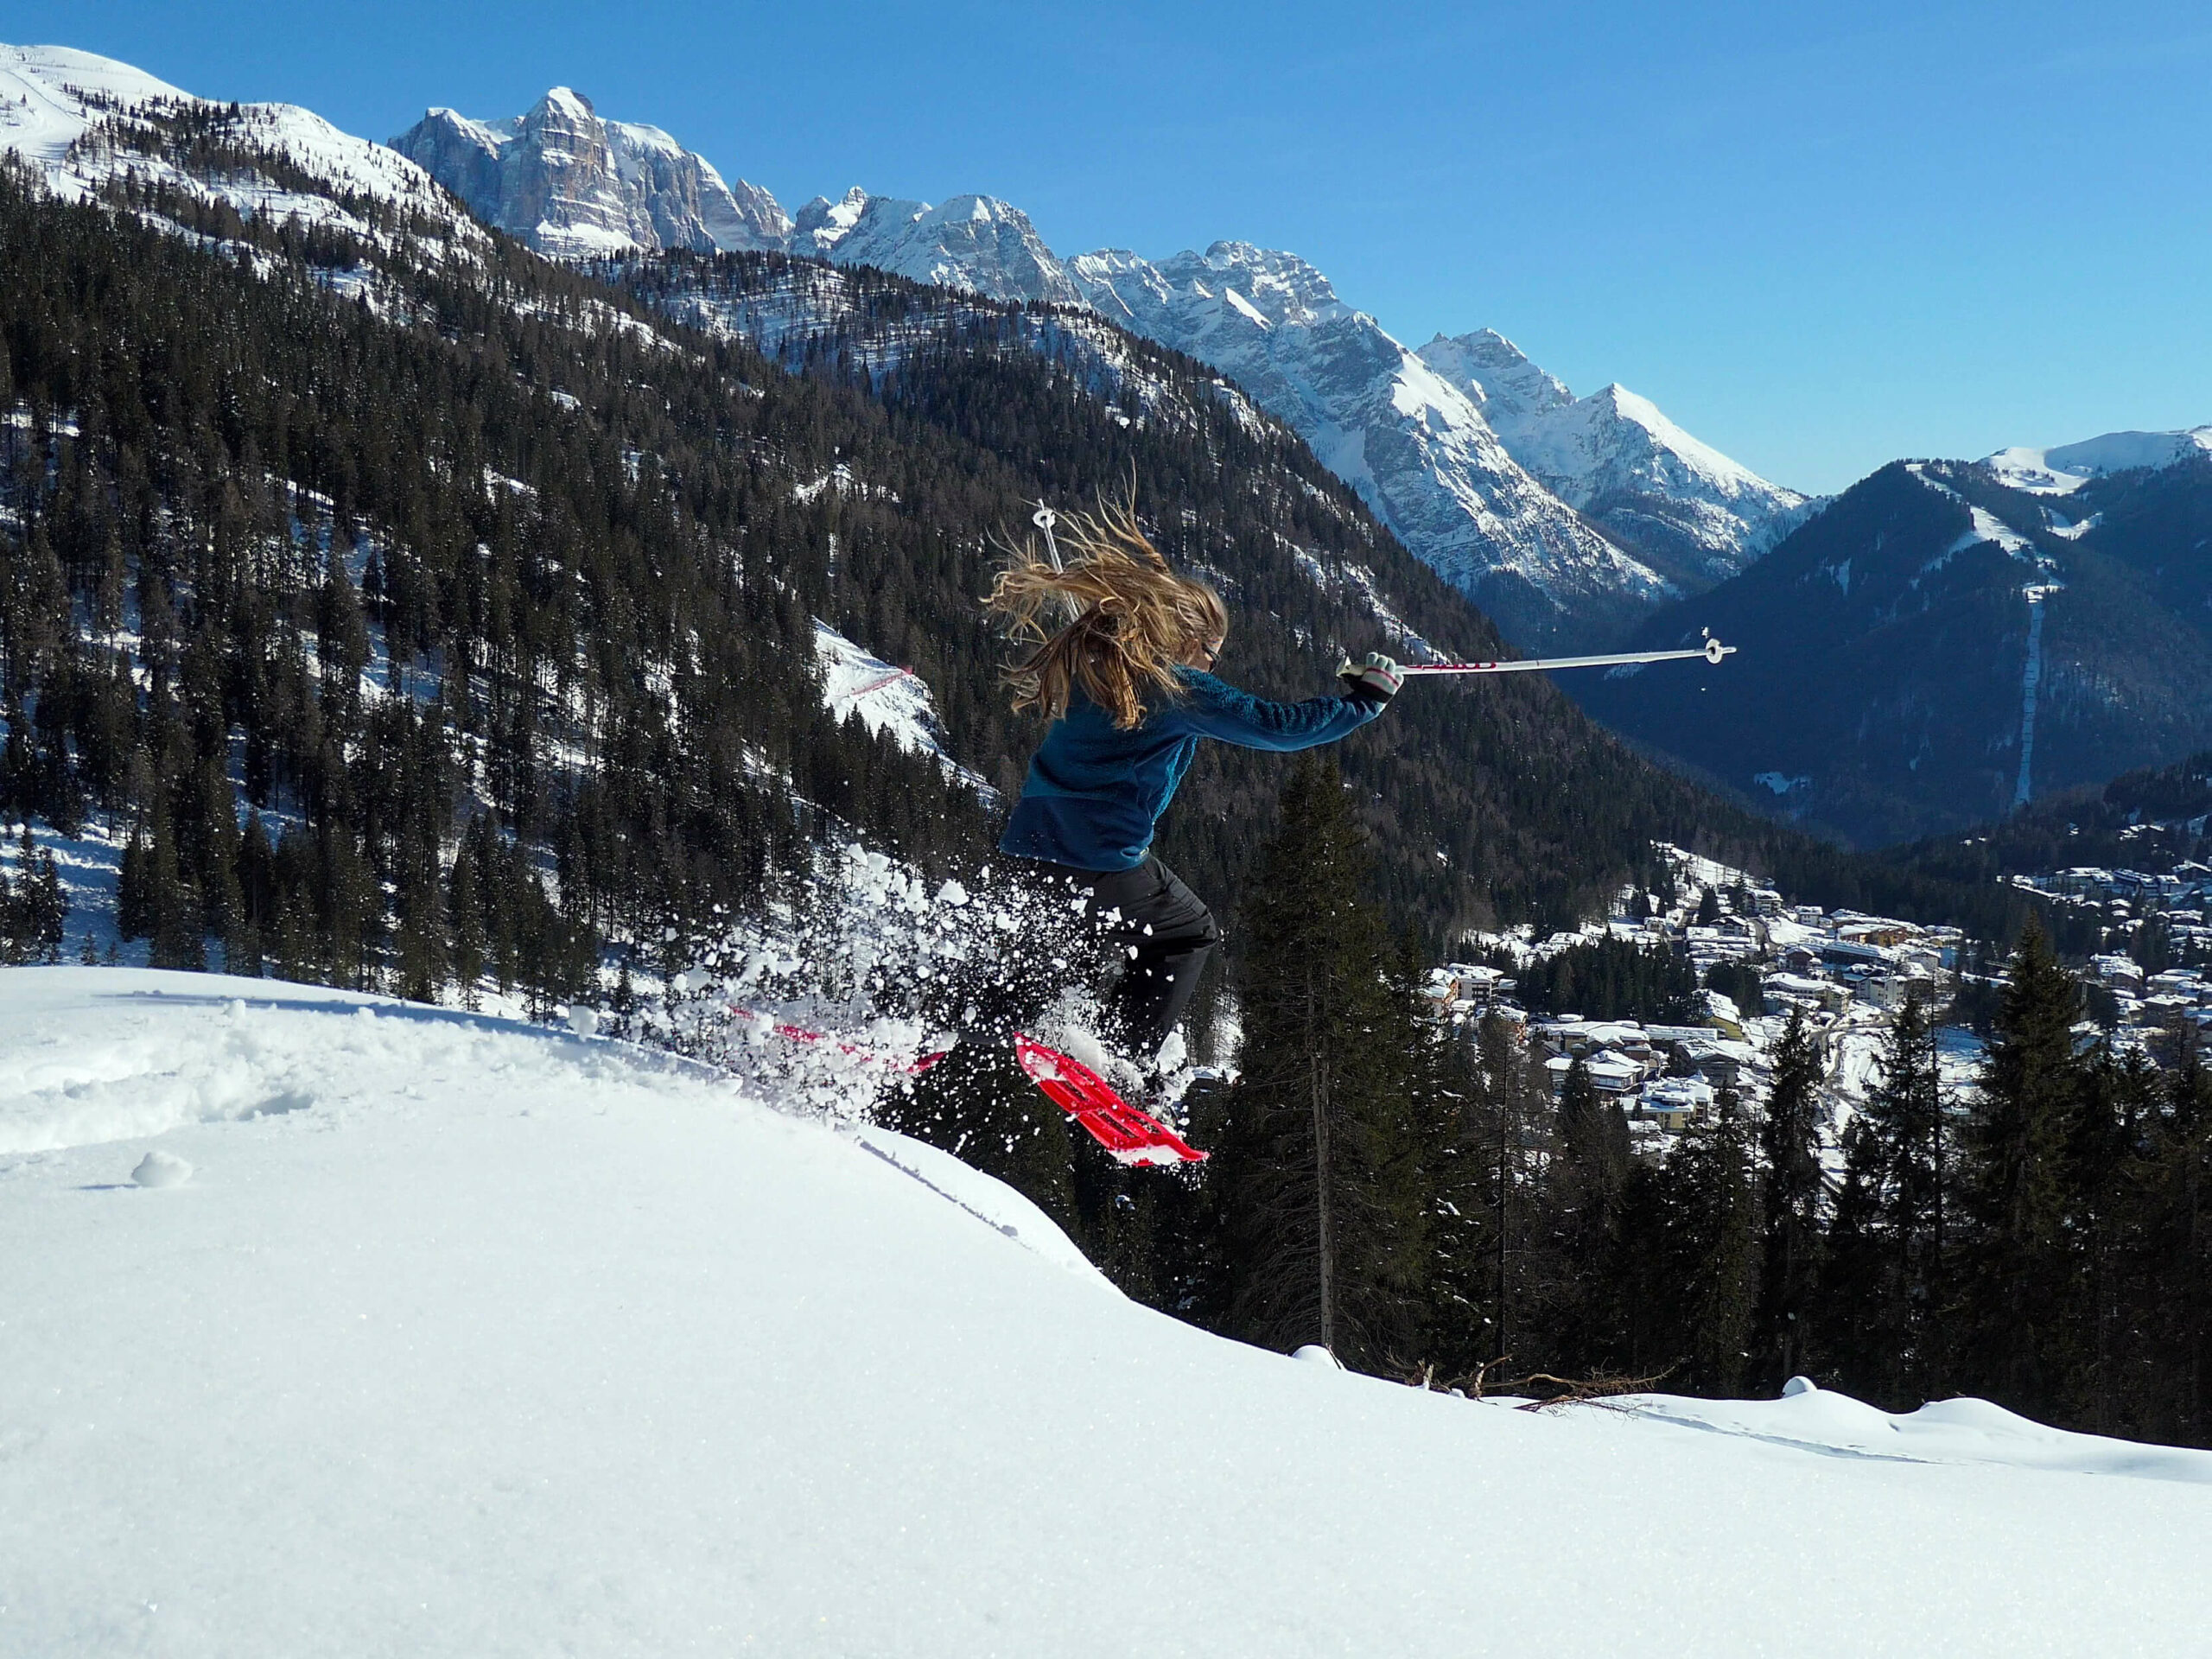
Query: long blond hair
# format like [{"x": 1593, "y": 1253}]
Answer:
[{"x": 1135, "y": 619}]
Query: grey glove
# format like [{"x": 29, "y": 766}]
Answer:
[{"x": 1374, "y": 679}]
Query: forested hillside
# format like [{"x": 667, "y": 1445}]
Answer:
[
  {"x": 1937, "y": 645},
  {"x": 419, "y": 606},
  {"x": 2149, "y": 819}
]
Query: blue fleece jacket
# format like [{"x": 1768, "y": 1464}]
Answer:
[{"x": 1093, "y": 794}]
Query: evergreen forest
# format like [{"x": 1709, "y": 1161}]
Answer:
[{"x": 1418, "y": 1198}]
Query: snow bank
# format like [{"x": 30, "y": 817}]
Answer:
[
  {"x": 1948, "y": 1431},
  {"x": 501, "y": 1340}
]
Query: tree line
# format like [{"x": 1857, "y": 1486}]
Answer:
[{"x": 1420, "y": 1199}]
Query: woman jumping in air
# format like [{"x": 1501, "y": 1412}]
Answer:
[{"x": 1124, "y": 683}]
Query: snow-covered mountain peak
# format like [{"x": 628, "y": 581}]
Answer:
[
  {"x": 822, "y": 224},
  {"x": 573, "y": 184},
  {"x": 482, "y": 134},
  {"x": 54, "y": 101},
  {"x": 975, "y": 241},
  {"x": 1613, "y": 456},
  {"x": 1495, "y": 374},
  {"x": 1399, "y": 432},
  {"x": 2063, "y": 470},
  {"x": 1281, "y": 286}
]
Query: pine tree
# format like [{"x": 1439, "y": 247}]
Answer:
[
  {"x": 465, "y": 918},
  {"x": 1885, "y": 1283},
  {"x": 1790, "y": 1152},
  {"x": 1690, "y": 1255},
  {"x": 1511, "y": 1096},
  {"x": 1326, "y": 1171},
  {"x": 2016, "y": 1178},
  {"x": 2172, "y": 1202},
  {"x": 1585, "y": 1191}
]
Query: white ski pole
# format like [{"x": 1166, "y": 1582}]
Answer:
[
  {"x": 1712, "y": 650},
  {"x": 1044, "y": 519}
]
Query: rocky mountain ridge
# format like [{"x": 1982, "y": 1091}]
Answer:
[
  {"x": 1612, "y": 510},
  {"x": 573, "y": 184},
  {"x": 1679, "y": 504},
  {"x": 1414, "y": 447}
]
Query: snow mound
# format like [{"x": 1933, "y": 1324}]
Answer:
[
  {"x": 159, "y": 1168},
  {"x": 1813, "y": 1419},
  {"x": 509, "y": 1342}
]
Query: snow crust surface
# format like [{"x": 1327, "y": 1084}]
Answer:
[{"x": 497, "y": 1339}]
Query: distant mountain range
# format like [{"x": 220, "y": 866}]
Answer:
[
  {"x": 1943, "y": 641},
  {"x": 445, "y": 528},
  {"x": 1948, "y": 640},
  {"x": 1566, "y": 519}
]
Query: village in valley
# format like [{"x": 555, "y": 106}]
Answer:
[{"x": 1756, "y": 959}]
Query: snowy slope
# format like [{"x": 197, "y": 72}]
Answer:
[
  {"x": 465, "y": 1338},
  {"x": 854, "y": 682},
  {"x": 1678, "y": 503},
  {"x": 1417, "y": 451},
  {"x": 2063, "y": 470},
  {"x": 51, "y": 97}
]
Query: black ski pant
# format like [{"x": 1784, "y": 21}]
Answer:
[{"x": 1161, "y": 934}]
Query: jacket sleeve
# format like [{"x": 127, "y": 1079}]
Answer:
[{"x": 1213, "y": 707}]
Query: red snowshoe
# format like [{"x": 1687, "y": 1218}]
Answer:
[{"x": 1132, "y": 1136}]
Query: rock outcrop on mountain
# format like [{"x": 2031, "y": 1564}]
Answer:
[
  {"x": 1939, "y": 644},
  {"x": 573, "y": 184},
  {"x": 1418, "y": 451},
  {"x": 977, "y": 243},
  {"x": 1679, "y": 504}
]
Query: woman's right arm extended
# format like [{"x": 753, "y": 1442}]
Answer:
[{"x": 1215, "y": 709}]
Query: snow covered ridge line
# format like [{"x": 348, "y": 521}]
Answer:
[
  {"x": 64, "y": 111},
  {"x": 2063, "y": 470}
]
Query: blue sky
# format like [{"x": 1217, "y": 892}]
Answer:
[{"x": 1818, "y": 236}]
